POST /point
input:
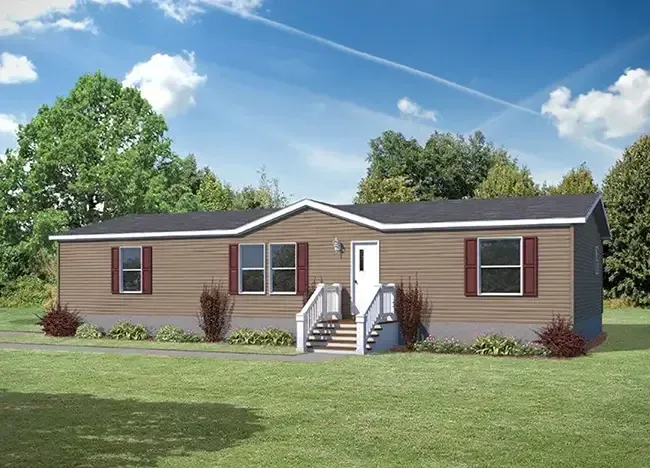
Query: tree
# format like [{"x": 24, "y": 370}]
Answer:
[
  {"x": 374, "y": 189},
  {"x": 266, "y": 195},
  {"x": 507, "y": 179},
  {"x": 626, "y": 194},
  {"x": 577, "y": 181},
  {"x": 448, "y": 166},
  {"x": 215, "y": 195}
]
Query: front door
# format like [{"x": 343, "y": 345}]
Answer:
[{"x": 365, "y": 274}]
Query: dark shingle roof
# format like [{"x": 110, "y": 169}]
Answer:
[{"x": 444, "y": 211}]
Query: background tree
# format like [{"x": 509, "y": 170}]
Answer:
[
  {"x": 507, "y": 179},
  {"x": 374, "y": 189},
  {"x": 626, "y": 193},
  {"x": 448, "y": 166},
  {"x": 577, "y": 181}
]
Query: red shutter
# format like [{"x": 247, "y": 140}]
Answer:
[
  {"x": 471, "y": 266},
  {"x": 115, "y": 270},
  {"x": 233, "y": 269},
  {"x": 302, "y": 268},
  {"x": 530, "y": 266},
  {"x": 147, "y": 280}
]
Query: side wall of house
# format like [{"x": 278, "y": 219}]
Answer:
[
  {"x": 182, "y": 266},
  {"x": 588, "y": 279}
]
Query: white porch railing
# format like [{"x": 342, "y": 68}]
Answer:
[
  {"x": 382, "y": 307},
  {"x": 324, "y": 304}
]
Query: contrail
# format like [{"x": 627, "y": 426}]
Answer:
[{"x": 375, "y": 59}]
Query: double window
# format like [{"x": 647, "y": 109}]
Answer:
[
  {"x": 130, "y": 269},
  {"x": 500, "y": 268},
  {"x": 282, "y": 268}
]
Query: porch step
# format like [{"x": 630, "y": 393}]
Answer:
[
  {"x": 328, "y": 344},
  {"x": 335, "y": 331}
]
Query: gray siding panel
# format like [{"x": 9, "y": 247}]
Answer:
[{"x": 588, "y": 279}]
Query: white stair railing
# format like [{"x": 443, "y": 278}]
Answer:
[
  {"x": 382, "y": 307},
  {"x": 324, "y": 303}
]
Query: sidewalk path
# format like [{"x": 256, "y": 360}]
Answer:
[{"x": 307, "y": 357}]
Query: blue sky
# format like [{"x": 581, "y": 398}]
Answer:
[{"x": 301, "y": 86}]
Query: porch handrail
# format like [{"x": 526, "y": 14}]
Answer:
[
  {"x": 381, "y": 307},
  {"x": 324, "y": 301}
]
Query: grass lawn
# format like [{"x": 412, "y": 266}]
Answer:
[
  {"x": 410, "y": 410},
  {"x": 20, "y": 319}
]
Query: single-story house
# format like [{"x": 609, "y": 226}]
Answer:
[{"x": 497, "y": 265}]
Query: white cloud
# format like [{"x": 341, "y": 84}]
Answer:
[
  {"x": 16, "y": 69},
  {"x": 167, "y": 82},
  {"x": 622, "y": 110},
  {"x": 413, "y": 109},
  {"x": 182, "y": 10},
  {"x": 329, "y": 160},
  {"x": 8, "y": 124}
]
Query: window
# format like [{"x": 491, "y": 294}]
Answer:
[
  {"x": 131, "y": 269},
  {"x": 597, "y": 266},
  {"x": 251, "y": 268},
  {"x": 500, "y": 269},
  {"x": 283, "y": 268},
  {"x": 361, "y": 265}
]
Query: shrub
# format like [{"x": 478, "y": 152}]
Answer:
[
  {"x": 534, "y": 349},
  {"x": 618, "y": 303},
  {"x": 28, "y": 291},
  {"x": 441, "y": 346},
  {"x": 59, "y": 321},
  {"x": 128, "y": 331},
  {"x": 191, "y": 338},
  {"x": 270, "y": 337},
  {"x": 216, "y": 310},
  {"x": 560, "y": 339},
  {"x": 50, "y": 296},
  {"x": 88, "y": 331},
  {"x": 409, "y": 307},
  {"x": 170, "y": 333},
  {"x": 497, "y": 345}
]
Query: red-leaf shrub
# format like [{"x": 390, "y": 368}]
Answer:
[
  {"x": 59, "y": 321},
  {"x": 409, "y": 307},
  {"x": 216, "y": 311},
  {"x": 559, "y": 337}
]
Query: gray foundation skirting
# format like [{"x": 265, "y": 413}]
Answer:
[{"x": 467, "y": 332}]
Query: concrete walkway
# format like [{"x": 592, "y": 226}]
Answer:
[{"x": 307, "y": 357}]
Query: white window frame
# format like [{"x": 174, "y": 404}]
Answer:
[
  {"x": 242, "y": 269},
  {"x": 597, "y": 260},
  {"x": 520, "y": 266},
  {"x": 295, "y": 270},
  {"x": 122, "y": 270}
]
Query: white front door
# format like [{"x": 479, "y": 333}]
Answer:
[{"x": 365, "y": 273}]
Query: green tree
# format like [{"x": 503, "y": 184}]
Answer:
[
  {"x": 267, "y": 194},
  {"x": 507, "y": 179},
  {"x": 626, "y": 193},
  {"x": 448, "y": 166},
  {"x": 215, "y": 195},
  {"x": 577, "y": 181},
  {"x": 374, "y": 189}
]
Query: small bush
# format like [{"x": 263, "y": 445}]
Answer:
[
  {"x": 409, "y": 308},
  {"x": 270, "y": 337},
  {"x": 534, "y": 349},
  {"x": 191, "y": 338},
  {"x": 28, "y": 291},
  {"x": 60, "y": 321},
  {"x": 618, "y": 303},
  {"x": 88, "y": 331},
  {"x": 215, "y": 313},
  {"x": 441, "y": 346},
  {"x": 170, "y": 333},
  {"x": 560, "y": 339},
  {"x": 497, "y": 345},
  {"x": 128, "y": 331},
  {"x": 50, "y": 296}
]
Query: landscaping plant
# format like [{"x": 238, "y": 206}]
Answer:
[
  {"x": 128, "y": 331},
  {"x": 269, "y": 337},
  {"x": 441, "y": 346},
  {"x": 88, "y": 331},
  {"x": 409, "y": 307},
  {"x": 497, "y": 345},
  {"x": 560, "y": 339},
  {"x": 215, "y": 313},
  {"x": 59, "y": 321},
  {"x": 169, "y": 333}
]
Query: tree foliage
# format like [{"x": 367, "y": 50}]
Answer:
[
  {"x": 626, "y": 193},
  {"x": 507, "y": 179},
  {"x": 577, "y": 181},
  {"x": 447, "y": 166},
  {"x": 374, "y": 189}
]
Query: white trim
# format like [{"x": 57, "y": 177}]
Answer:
[
  {"x": 520, "y": 266},
  {"x": 328, "y": 210},
  {"x": 352, "y": 243},
  {"x": 130, "y": 269},
  {"x": 241, "y": 269},
  {"x": 295, "y": 270}
]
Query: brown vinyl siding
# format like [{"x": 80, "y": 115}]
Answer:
[
  {"x": 588, "y": 286},
  {"x": 182, "y": 266}
]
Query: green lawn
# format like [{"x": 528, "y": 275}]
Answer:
[
  {"x": 113, "y": 411},
  {"x": 19, "y": 319}
]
